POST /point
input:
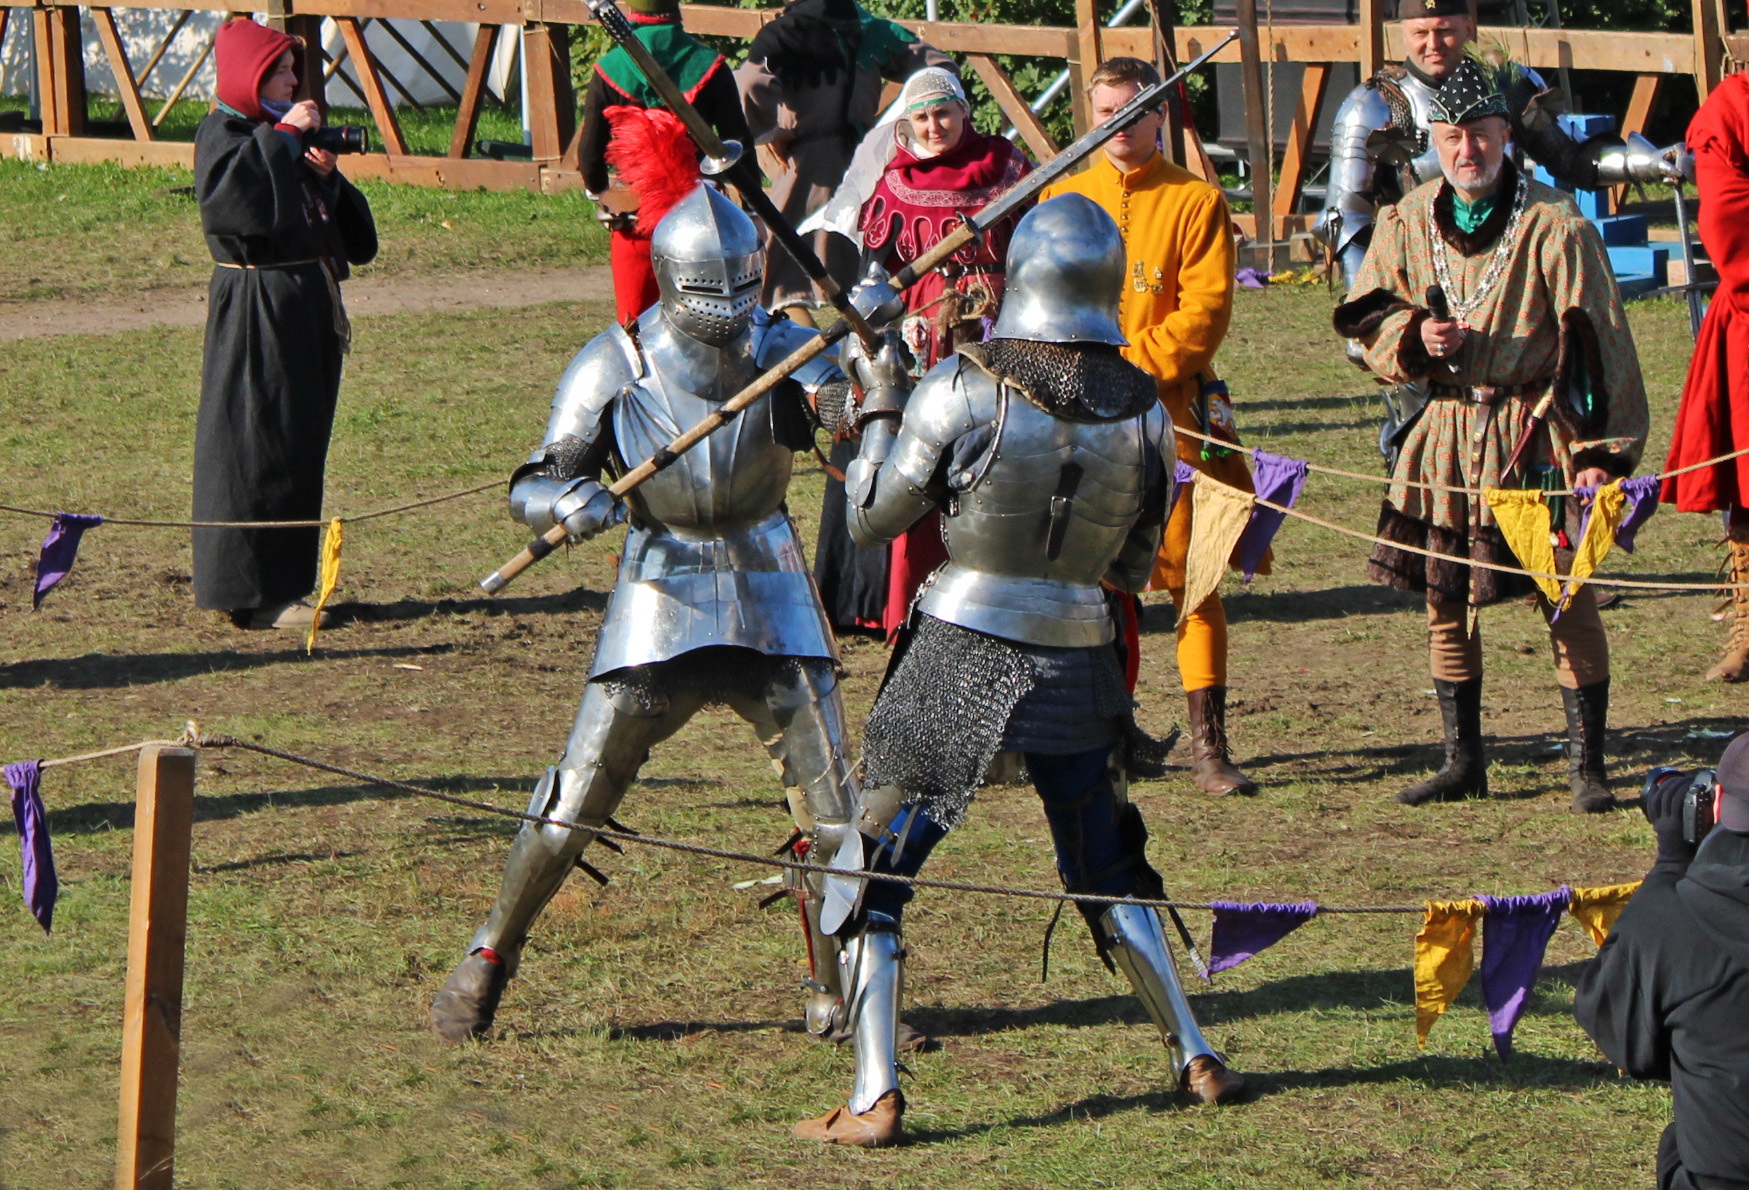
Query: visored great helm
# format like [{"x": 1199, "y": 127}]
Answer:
[
  {"x": 709, "y": 267},
  {"x": 1065, "y": 275}
]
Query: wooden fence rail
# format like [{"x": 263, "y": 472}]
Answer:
[{"x": 544, "y": 29}]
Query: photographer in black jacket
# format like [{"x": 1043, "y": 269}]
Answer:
[{"x": 1668, "y": 995}]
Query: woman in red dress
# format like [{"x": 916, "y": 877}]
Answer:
[
  {"x": 1714, "y": 417},
  {"x": 941, "y": 167}
]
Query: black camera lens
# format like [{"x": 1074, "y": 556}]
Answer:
[{"x": 339, "y": 139}]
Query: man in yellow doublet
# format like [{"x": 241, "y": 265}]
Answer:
[{"x": 1177, "y": 302}]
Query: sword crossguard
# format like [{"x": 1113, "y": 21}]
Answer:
[{"x": 717, "y": 166}]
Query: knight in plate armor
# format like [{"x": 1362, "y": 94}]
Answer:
[
  {"x": 1050, "y": 458},
  {"x": 713, "y": 603},
  {"x": 1379, "y": 149}
]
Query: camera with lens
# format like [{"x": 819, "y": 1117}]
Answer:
[
  {"x": 1699, "y": 794},
  {"x": 338, "y": 139}
]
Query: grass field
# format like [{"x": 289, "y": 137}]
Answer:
[
  {"x": 653, "y": 1037},
  {"x": 89, "y": 231}
]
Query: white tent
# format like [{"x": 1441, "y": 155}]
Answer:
[{"x": 143, "y": 31}]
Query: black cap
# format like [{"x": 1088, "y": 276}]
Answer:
[
  {"x": 1407, "y": 9},
  {"x": 1471, "y": 91}
]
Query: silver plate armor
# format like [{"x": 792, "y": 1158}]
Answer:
[
  {"x": 712, "y": 557},
  {"x": 1065, "y": 276},
  {"x": 1004, "y": 461},
  {"x": 708, "y": 266}
]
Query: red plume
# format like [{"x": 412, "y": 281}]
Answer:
[{"x": 655, "y": 158}]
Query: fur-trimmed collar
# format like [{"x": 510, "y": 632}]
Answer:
[{"x": 1471, "y": 242}]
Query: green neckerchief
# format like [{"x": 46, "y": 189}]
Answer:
[
  {"x": 225, "y": 107},
  {"x": 687, "y": 62},
  {"x": 1471, "y": 215}
]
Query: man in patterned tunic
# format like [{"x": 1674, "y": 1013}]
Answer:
[{"x": 1533, "y": 307}]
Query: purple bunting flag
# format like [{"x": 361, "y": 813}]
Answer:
[
  {"x": 1242, "y": 930},
  {"x": 1250, "y": 278},
  {"x": 40, "y": 883},
  {"x": 60, "y": 547},
  {"x": 1279, "y": 480},
  {"x": 1183, "y": 475},
  {"x": 1515, "y": 935},
  {"x": 1642, "y": 494}
]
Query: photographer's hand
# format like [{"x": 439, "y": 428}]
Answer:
[
  {"x": 305, "y": 116},
  {"x": 320, "y": 160},
  {"x": 1662, "y": 806}
]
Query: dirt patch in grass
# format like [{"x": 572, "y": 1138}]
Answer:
[{"x": 651, "y": 1038}]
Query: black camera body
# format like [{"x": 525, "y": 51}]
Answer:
[
  {"x": 1700, "y": 799},
  {"x": 339, "y": 139}
]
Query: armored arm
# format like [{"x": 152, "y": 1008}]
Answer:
[
  {"x": 1591, "y": 164},
  {"x": 561, "y": 482},
  {"x": 1345, "y": 225},
  {"x": 896, "y": 478},
  {"x": 1134, "y": 564}
]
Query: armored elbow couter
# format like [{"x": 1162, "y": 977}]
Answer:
[{"x": 1638, "y": 160}]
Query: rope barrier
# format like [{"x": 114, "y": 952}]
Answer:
[
  {"x": 1442, "y": 487},
  {"x": 195, "y": 738},
  {"x": 45, "y": 514}
]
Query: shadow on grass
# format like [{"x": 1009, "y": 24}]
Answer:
[
  {"x": 93, "y": 816},
  {"x": 96, "y": 671},
  {"x": 1632, "y": 751},
  {"x": 576, "y": 600}
]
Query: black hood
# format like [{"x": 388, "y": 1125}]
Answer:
[{"x": 1716, "y": 888}]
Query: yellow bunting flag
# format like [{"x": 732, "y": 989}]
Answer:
[
  {"x": 1445, "y": 956},
  {"x": 1219, "y": 514},
  {"x": 1597, "y": 908},
  {"x": 1524, "y": 522},
  {"x": 330, "y": 576},
  {"x": 1607, "y": 506}
]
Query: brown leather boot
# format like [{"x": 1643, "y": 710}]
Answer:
[
  {"x": 468, "y": 1001},
  {"x": 1210, "y": 1081},
  {"x": 1211, "y": 764},
  {"x": 877, "y": 1128},
  {"x": 1735, "y": 665}
]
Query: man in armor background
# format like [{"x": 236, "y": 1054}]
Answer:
[
  {"x": 713, "y": 602},
  {"x": 1050, "y": 458},
  {"x": 1533, "y": 306},
  {"x": 1176, "y": 301}
]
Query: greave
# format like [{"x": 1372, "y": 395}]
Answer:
[
  {"x": 1137, "y": 944},
  {"x": 874, "y": 977}
]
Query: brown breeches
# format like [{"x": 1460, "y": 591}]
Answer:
[{"x": 1581, "y": 649}]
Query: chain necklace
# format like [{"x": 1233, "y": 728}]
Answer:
[{"x": 1462, "y": 308}]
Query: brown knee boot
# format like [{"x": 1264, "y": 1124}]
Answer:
[
  {"x": 1735, "y": 665},
  {"x": 1211, "y": 763}
]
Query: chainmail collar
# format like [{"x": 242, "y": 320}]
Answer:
[{"x": 1082, "y": 382}]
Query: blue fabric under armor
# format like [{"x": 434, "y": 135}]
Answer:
[{"x": 1080, "y": 806}]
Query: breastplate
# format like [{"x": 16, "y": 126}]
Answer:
[
  {"x": 1425, "y": 165},
  {"x": 1039, "y": 516}
]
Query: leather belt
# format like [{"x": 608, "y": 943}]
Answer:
[
  {"x": 1485, "y": 394},
  {"x": 282, "y": 264}
]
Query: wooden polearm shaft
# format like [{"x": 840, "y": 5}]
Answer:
[{"x": 1017, "y": 196}]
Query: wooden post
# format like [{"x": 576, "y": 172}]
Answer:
[
  {"x": 1089, "y": 52},
  {"x": 117, "y": 53},
  {"x": 1014, "y": 106},
  {"x": 364, "y": 64},
  {"x": 552, "y": 115},
  {"x": 60, "y": 70},
  {"x": 1165, "y": 37},
  {"x": 1372, "y": 39},
  {"x": 1639, "y": 113},
  {"x": 158, "y": 927},
  {"x": 467, "y": 116},
  {"x": 1258, "y": 137},
  {"x": 1709, "y": 50},
  {"x": 1299, "y": 142}
]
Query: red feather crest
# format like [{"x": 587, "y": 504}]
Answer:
[{"x": 654, "y": 157}]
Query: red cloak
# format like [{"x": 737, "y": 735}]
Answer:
[{"x": 1714, "y": 417}]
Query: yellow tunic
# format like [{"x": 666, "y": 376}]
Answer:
[{"x": 1177, "y": 302}]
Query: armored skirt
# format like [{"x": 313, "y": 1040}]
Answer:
[{"x": 282, "y": 238}]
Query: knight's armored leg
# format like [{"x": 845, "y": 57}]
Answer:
[
  {"x": 1101, "y": 848},
  {"x": 1455, "y": 656},
  {"x": 871, "y": 957},
  {"x": 612, "y": 735},
  {"x": 800, "y": 719}
]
